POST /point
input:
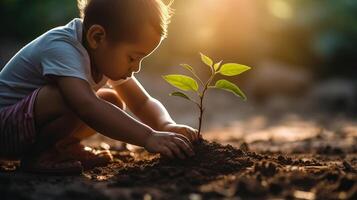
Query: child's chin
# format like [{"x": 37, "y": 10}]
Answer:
[{"x": 126, "y": 77}]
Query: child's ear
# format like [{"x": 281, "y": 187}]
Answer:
[{"x": 95, "y": 36}]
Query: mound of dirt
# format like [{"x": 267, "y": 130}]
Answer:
[
  {"x": 209, "y": 161},
  {"x": 220, "y": 171},
  {"x": 215, "y": 172}
]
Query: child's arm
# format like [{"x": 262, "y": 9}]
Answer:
[
  {"x": 149, "y": 110},
  {"x": 115, "y": 123},
  {"x": 141, "y": 104}
]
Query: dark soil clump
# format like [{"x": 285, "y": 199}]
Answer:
[{"x": 210, "y": 160}]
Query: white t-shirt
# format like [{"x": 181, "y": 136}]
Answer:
[{"x": 59, "y": 51}]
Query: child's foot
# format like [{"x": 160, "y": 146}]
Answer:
[
  {"x": 88, "y": 156},
  {"x": 71, "y": 159},
  {"x": 50, "y": 163}
]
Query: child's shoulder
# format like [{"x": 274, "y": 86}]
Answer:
[
  {"x": 69, "y": 33},
  {"x": 63, "y": 42}
]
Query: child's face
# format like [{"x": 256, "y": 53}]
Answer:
[{"x": 120, "y": 60}]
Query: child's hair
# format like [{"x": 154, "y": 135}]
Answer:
[{"x": 123, "y": 18}]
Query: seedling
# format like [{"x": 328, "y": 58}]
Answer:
[{"x": 189, "y": 84}]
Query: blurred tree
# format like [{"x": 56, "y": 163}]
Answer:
[
  {"x": 23, "y": 20},
  {"x": 334, "y": 34},
  {"x": 319, "y": 34}
]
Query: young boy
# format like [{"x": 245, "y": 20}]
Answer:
[{"x": 50, "y": 96}]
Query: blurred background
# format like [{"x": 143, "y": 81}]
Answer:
[{"x": 303, "y": 53}]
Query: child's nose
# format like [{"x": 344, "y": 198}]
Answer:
[{"x": 136, "y": 68}]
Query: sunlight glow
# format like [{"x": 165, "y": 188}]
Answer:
[
  {"x": 205, "y": 35},
  {"x": 280, "y": 9}
]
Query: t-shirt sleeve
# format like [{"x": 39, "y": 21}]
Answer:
[{"x": 63, "y": 59}]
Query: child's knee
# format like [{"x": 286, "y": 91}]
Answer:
[
  {"x": 49, "y": 104},
  {"x": 50, "y": 96}
]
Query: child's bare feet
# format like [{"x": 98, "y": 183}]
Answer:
[
  {"x": 50, "y": 162},
  {"x": 88, "y": 156},
  {"x": 70, "y": 159}
]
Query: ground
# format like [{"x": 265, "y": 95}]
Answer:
[{"x": 261, "y": 157}]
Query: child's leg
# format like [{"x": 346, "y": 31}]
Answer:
[
  {"x": 84, "y": 131},
  {"x": 55, "y": 121}
]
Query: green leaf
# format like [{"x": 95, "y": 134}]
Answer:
[
  {"x": 217, "y": 65},
  {"x": 207, "y": 60},
  {"x": 231, "y": 87},
  {"x": 232, "y": 69},
  {"x": 188, "y": 67},
  {"x": 181, "y": 82},
  {"x": 180, "y": 94}
]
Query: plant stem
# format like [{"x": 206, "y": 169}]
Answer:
[
  {"x": 200, "y": 118},
  {"x": 198, "y": 78},
  {"x": 201, "y": 102}
]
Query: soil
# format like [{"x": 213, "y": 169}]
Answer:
[
  {"x": 292, "y": 157},
  {"x": 215, "y": 172}
]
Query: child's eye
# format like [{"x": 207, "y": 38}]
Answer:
[{"x": 131, "y": 59}]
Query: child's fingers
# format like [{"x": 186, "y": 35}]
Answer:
[
  {"x": 196, "y": 134},
  {"x": 192, "y": 134},
  {"x": 177, "y": 151},
  {"x": 189, "y": 134},
  {"x": 185, "y": 139},
  {"x": 185, "y": 147},
  {"x": 166, "y": 152},
  {"x": 199, "y": 135}
]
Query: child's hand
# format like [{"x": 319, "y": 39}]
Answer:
[
  {"x": 182, "y": 129},
  {"x": 169, "y": 144}
]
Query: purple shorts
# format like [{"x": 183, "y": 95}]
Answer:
[{"x": 17, "y": 127}]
